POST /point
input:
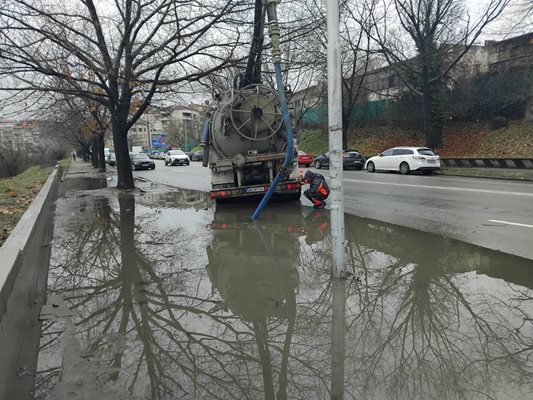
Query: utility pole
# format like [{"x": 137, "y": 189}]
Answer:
[
  {"x": 149, "y": 132},
  {"x": 186, "y": 139},
  {"x": 335, "y": 138}
]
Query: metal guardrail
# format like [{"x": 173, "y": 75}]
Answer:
[{"x": 510, "y": 163}]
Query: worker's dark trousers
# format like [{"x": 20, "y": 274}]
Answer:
[{"x": 316, "y": 198}]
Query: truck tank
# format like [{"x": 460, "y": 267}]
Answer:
[
  {"x": 246, "y": 145},
  {"x": 247, "y": 121}
]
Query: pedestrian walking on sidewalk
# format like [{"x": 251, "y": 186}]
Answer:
[{"x": 74, "y": 156}]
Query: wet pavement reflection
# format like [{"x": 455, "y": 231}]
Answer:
[
  {"x": 85, "y": 183},
  {"x": 159, "y": 296}
]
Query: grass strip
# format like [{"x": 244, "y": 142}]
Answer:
[{"x": 16, "y": 195}]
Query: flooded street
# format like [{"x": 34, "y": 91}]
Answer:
[{"x": 161, "y": 295}]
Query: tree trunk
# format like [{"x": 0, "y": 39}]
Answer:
[
  {"x": 345, "y": 125},
  {"x": 101, "y": 154},
  {"x": 94, "y": 152},
  {"x": 438, "y": 110},
  {"x": 122, "y": 153},
  {"x": 426, "y": 101}
]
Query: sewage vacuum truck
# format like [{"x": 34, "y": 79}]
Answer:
[{"x": 244, "y": 136}]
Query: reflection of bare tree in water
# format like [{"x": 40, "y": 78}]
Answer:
[
  {"x": 422, "y": 331},
  {"x": 131, "y": 315},
  {"x": 417, "y": 324}
]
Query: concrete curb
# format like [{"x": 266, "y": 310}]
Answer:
[
  {"x": 501, "y": 178},
  {"x": 13, "y": 249},
  {"x": 66, "y": 170}
]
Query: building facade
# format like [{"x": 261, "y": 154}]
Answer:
[
  {"x": 157, "y": 128},
  {"x": 492, "y": 57},
  {"x": 23, "y": 134}
]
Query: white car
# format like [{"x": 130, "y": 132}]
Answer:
[
  {"x": 176, "y": 157},
  {"x": 405, "y": 160}
]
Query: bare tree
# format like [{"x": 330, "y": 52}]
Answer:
[
  {"x": 66, "y": 127},
  {"x": 356, "y": 58},
  {"x": 13, "y": 159},
  {"x": 122, "y": 55},
  {"x": 517, "y": 19},
  {"x": 355, "y": 48},
  {"x": 439, "y": 33},
  {"x": 176, "y": 134},
  {"x": 78, "y": 122}
]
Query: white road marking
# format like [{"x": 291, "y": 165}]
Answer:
[
  {"x": 511, "y": 223},
  {"x": 457, "y": 189}
]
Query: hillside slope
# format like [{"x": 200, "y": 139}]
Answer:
[{"x": 459, "y": 140}]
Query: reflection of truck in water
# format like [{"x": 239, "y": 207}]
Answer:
[
  {"x": 255, "y": 269},
  {"x": 244, "y": 135}
]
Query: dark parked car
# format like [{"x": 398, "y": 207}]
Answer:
[
  {"x": 111, "y": 159},
  {"x": 350, "y": 159},
  {"x": 141, "y": 161},
  {"x": 197, "y": 156}
]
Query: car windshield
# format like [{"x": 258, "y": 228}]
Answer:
[
  {"x": 140, "y": 156},
  {"x": 176, "y": 152},
  {"x": 426, "y": 152}
]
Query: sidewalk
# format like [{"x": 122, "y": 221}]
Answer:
[{"x": 81, "y": 167}]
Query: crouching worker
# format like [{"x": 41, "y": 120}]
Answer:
[{"x": 318, "y": 190}]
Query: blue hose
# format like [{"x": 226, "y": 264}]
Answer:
[
  {"x": 290, "y": 144},
  {"x": 204, "y": 137}
]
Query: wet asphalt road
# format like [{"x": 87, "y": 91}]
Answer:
[{"x": 491, "y": 213}]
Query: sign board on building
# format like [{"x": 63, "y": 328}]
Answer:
[{"x": 159, "y": 140}]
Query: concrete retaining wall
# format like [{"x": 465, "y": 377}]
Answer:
[
  {"x": 15, "y": 247},
  {"x": 513, "y": 163}
]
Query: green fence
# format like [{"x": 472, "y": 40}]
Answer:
[{"x": 370, "y": 111}]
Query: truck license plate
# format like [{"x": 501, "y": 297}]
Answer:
[{"x": 255, "y": 190}]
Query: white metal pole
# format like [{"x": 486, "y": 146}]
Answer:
[
  {"x": 338, "y": 345},
  {"x": 149, "y": 132},
  {"x": 335, "y": 138}
]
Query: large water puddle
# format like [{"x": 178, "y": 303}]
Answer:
[{"x": 160, "y": 296}]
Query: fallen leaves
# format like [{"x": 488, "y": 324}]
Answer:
[{"x": 459, "y": 140}]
